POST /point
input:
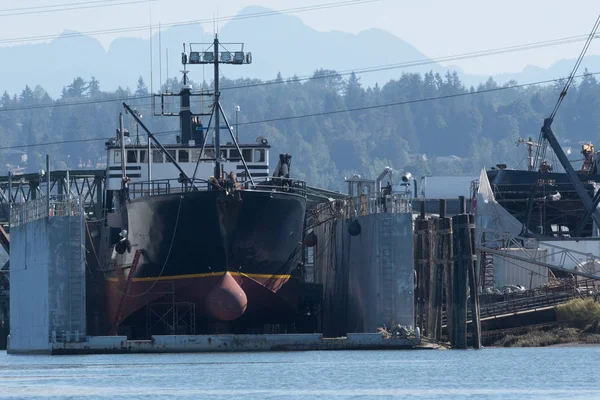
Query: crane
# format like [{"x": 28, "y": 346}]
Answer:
[{"x": 547, "y": 137}]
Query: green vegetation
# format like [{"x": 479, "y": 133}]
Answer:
[
  {"x": 578, "y": 321},
  {"x": 455, "y": 135},
  {"x": 579, "y": 313}
]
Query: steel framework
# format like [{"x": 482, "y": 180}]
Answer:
[{"x": 84, "y": 184}]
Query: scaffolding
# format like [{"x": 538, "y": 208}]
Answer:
[{"x": 174, "y": 318}]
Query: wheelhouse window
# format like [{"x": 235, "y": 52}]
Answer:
[
  {"x": 259, "y": 155},
  {"x": 172, "y": 153},
  {"x": 143, "y": 156},
  {"x": 234, "y": 154},
  {"x": 117, "y": 159},
  {"x": 247, "y": 154},
  {"x": 157, "y": 156},
  {"x": 132, "y": 156},
  {"x": 195, "y": 155},
  {"x": 209, "y": 153},
  {"x": 184, "y": 156},
  {"x": 224, "y": 154}
]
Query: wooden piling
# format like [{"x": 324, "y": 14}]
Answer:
[
  {"x": 422, "y": 268},
  {"x": 462, "y": 261},
  {"x": 442, "y": 249},
  {"x": 434, "y": 317},
  {"x": 473, "y": 285}
]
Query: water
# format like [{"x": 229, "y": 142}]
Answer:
[{"x": 543, "y": 373}]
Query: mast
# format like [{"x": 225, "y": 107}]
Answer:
[
  {"x": 185, "y": 112},
  {"x": 214, "y": 53},
  {"x": 530, "y": 145},
  {"x": 217, "y": 173}
]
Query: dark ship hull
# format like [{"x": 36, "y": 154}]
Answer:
[
  {"x": 229, "y": 255},
  {"x": 551, "y": 215}
]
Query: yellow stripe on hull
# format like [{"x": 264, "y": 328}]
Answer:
[{"x": 204, "y": 275}]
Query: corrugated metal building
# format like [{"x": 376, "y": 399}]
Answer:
[{"x": 508, "y": 271}]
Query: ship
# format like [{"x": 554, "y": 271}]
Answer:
[
  {"x": 543, "y": 200},
  {"x": 199, "y": 226},
  {"x": 551, "y": 204}
]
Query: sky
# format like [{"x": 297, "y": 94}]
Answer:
[{"x": 437, "y": 28}]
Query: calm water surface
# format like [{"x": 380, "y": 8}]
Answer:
[{"x": 547, "y": 373}]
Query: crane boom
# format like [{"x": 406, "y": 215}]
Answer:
[
  {"x": 588, "y": 203},
  {"x": 547, "y": 137}
]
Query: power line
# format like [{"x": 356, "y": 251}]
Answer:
[
  {"x": 56, "y": 5},
  {"x": 462, "y": 56},
  {"x": 72, "y": 6},
  {"x": 292, "y": 117},
  {"x": 359, "y": 71},
  {"x": 74, "y": 103},
  {"x": 407, "y": 102},
  {"x": 192, "y": 22},
  {"x": 59, "y": 142}
]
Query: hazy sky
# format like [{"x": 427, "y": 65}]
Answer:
[{"x": 436, "y": 27}]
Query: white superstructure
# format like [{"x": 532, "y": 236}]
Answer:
[{"x": 140, "y": 166}]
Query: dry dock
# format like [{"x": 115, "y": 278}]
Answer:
[
  {"x": 226, "y": 343},
  {"x": 50, "y": 288}
]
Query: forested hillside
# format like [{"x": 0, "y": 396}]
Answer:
[{"x": 458, "y": 132}]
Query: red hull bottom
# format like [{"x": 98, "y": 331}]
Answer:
[{"x": 217, "y": 297}]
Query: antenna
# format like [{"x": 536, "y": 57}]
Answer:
[
  {"x": 159, "y": 58},
  {"x": 167, "y": 69},
  {"x": 151, "y": 58},
  {"x": 216, "y": 53}
]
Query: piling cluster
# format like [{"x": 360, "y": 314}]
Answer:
[{"x": 445, "y": 265}]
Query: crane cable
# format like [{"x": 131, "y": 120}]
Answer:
[
  {"x": 575, "y": 68},
  {"x": 540, "y": 153}
]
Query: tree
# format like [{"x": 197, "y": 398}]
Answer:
[
  {"x": 141, "y": 89},
  {"x": 5, "y": 101},
  {"x": 328, "y": 78},
  {"x": 354, "y": 94},
  {"x": 26, "y": 97},
  {"x": 75, "y": 89},
  {"x": 93, "y": 89}
]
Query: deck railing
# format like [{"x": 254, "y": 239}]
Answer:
[
  {"x": 167, "y": 186},
  {"x": 60, "y": 205},
  {"x": 368, "y": 204}
]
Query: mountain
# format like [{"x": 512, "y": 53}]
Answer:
[{"x": 279, "y": 43}]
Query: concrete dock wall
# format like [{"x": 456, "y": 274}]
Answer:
[
  {"x": 368, "y": 279},
  {"x": 30, "y": 258},
  {"x": 47, "y": 280},
  {"x": 232, "y": 343}
]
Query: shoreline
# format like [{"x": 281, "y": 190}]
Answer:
[{"x": 577, "y": 325}]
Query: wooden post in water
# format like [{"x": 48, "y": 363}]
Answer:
[
  {"x": 446, "y": 256},
  {"x": 434, "y": 314},
  {"x": 475, "y": 317},
  {"x": 442, "y": 233},
  {"x": 454, "y": 291},
  {"x": 422, "y": 266},
  {"x": 462, "y": 261}
]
